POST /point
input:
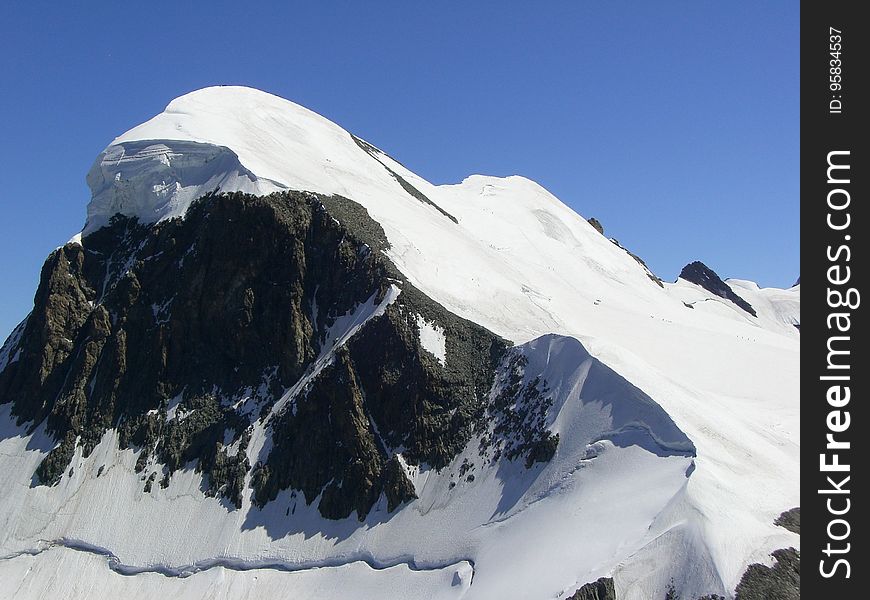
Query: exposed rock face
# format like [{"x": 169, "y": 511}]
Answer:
[
  {"x": 596, "y": 224},
  {"x": 791, "y": 520},
  {"x": 782, "y": 581},
  {"x": 702, "y": 275},
  {"x": 597, "y": 590},
  {"x": 414, "y": 192},
  {"x": 653, "y": 277},
  {"x": 182, "y": 334},
  {"x": 328, "y": 445}
]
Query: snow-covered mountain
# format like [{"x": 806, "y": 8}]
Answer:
[{"x": 276, "y": 361}]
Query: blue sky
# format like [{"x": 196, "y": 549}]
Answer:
[{"x": 674, "y": 123}]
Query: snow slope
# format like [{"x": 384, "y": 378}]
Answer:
[
  {"x": 777, "y": 309},
  {"x": 615, "y": 440},
  {"x": 507, "y": 254},
  {"x": 782, "y": 306}
]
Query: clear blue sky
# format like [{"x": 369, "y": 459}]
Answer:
[{"x": 674, "y": 123}]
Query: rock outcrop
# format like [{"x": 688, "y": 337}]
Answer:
[
  {"x": 652, "y": 276},
  {"x": 597, "y": 590},
  {"x": 596, "y": 224},
  {"x": 702, "y": 275},
  {"x": 791, "y": 520},
  {"x": 782, "y": 581}
]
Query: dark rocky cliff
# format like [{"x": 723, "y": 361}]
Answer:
[
  {"x": 702, "y": 275},
  {"x": 182, "y": 336},
  {"x": 597, "y": 590}
]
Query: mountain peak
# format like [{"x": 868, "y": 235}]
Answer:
[
  {"x": 352, "y": 370},
  {"x": 229, "y": 138},
  {"x": 227, "y": 95},
  {"x": 236, "y": 139}
]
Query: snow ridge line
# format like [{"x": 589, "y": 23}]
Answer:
[
  {"x": 686, "y": 448},
  {"x": 234, "y": 564}
]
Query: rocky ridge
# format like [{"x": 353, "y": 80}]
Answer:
[{"x": 183, "y": 335}]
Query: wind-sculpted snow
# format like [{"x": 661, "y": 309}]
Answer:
[
  {"x": 578, "y": 379},
  {"x": 155, "y": 180}
]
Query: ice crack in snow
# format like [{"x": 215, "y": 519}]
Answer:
[{"x": 235, "y": 564}]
